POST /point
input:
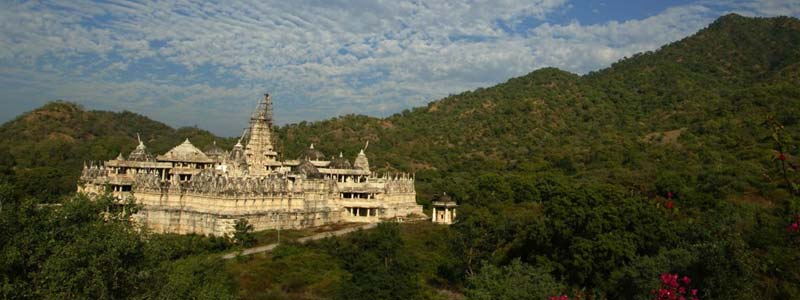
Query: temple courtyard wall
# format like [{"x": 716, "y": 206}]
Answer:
[{"x": 313, "y": 203}]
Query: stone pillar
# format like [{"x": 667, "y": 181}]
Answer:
[
  {"x": 434, "y": 215},
  {"x": 452, "y": 210}
]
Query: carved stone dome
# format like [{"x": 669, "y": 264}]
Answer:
[
  {"x": 185, "y": 152},
  {"x": 340, "y": 163},
  {"x": 140, "y": 153},
  {"x": 237, "y": 154},
  {"x": 307, "y": 168},
  {"x": 215, "y": 152},
  {"x": 361, "y": 161},
  {"x": 312, "y": 154}
]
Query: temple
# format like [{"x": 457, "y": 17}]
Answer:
[
  {"x": 443, "y": 210},
  {"x": 186, "y": 190}
]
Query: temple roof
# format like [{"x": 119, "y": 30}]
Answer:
[
  {"x": 185, "y": 152},
  {"x": 312, "y": 154},
  {"x": 340, "y": 163},
  {"x": 307, "y": 168},
  {"x": 140, "y": 153},
  {"x": 237, "y": 154},
  {"x": 215, "y": 152},
  {"x": 361, "y": 161},
  {"x": 444, "y": 201}
]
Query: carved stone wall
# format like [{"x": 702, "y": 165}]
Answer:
[{"x": 211, "y": 203}]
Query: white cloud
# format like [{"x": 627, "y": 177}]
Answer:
[{"x": 175, "y": 59}]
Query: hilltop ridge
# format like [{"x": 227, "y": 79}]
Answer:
[{"x": 53, "y": 142}]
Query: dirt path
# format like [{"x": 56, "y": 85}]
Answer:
[{"x": 318, "y": 236}]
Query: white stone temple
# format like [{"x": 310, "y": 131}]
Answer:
[{"x": 187, "y": 190}]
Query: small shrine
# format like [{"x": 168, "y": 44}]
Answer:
[{"x": 444, "y": 210}]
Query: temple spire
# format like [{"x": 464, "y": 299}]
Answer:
[
  {"x": 263, "y": 112},
  {"x": 259, "y": 150}
]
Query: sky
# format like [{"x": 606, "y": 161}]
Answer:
[{"x": 208, "y": 63}]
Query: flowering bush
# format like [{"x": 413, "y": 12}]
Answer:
[
  {"x": 668, "y": 203},
  {"x": 562, "y": 297},
  {"x": 674, "y": 287},
  {"x": 795, "y": 226}
]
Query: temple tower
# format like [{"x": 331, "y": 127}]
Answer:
[{"x": 259, "y": 153}]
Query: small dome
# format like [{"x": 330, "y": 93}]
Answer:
[
  {"x": 340, "y": 163},
  {"x": 140, "y": 153},
  {"x": 237, "y": 154},
  {"x": 312, "y": 154},
  {"x": 307, "y": 168},
  {"x": 215, "y": 152},
  {"x": 361, "y": 161},
  {"x": 185, "y": 152},
  {"x": 445, "y": 198}
]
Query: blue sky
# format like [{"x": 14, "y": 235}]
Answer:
[{"x": 204, "y": 63}]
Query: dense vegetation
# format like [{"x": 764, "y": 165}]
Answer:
[
  {"x": 51, "y": 144},
  {"x": 677, "y": 161},
  {"x": 88, "y": 249}
]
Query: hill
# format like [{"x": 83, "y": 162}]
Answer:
[
  {"x": 696, "y": 106},
  {"x": 51, "y": 143}
]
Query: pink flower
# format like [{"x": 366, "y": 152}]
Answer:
[
  {"x": 663, "y": 293},
  {"x": 794, "y": 227},
  {"x": 782, "y": 157},
  {"x": 675, "y": 287}
]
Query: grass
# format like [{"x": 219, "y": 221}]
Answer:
[{"x": 270, "y": 236}]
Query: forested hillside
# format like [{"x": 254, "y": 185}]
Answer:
[
  {"x": 51, "y": 143},
  {"x": 683, "y": 160},
  {"x": 697, "y": 107}
]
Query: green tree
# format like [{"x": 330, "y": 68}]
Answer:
[
  {"x": 243, "y": 233},
  {"x": 379, "y": 265},
  {"x": 516, "y": 281}
]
